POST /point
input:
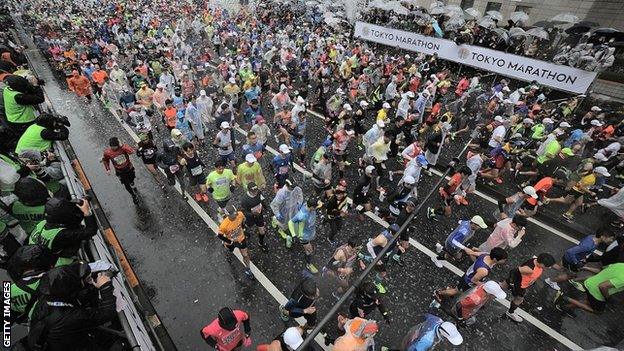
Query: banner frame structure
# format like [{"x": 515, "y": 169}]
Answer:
[{"x": 558, "y": 77}]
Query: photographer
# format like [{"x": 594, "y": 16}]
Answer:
[
  {"x": 68, "y": 314},
  {"x": 46, "y": 168},
  {"x": 46, "y": 129},
  {"x": 62, "y": 230},
  {"x": 20, "y": 101},
  {"x": 29, "y": 207}
]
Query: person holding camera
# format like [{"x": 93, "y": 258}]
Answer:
[
  {"x": 74, "y": 302},
  {"x": 20, "y": 102},
  {"x": 40, "y": 135}
]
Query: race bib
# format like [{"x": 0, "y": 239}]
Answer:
[
  {"x": 283, "y": 169},
  {"x": 197, "y": 170},
  {"x": 119, "y": 159},
  {"x": 174, "y": 168},
  {"x": 257, "y": 208}
]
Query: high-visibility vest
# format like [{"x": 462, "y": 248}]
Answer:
[
  {"x": 32, "y": 140},
  {"x": 16, "y": 113}
]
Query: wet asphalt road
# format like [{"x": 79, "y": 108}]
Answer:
[{"x": 190, "y": 276}]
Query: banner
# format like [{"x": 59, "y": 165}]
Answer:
[{"x": 519, "y": 67}]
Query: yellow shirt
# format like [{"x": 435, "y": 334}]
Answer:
[
  {"x": 233, "y": 229},
  {"x": 585, "y": 183},
  {"x": 382, "y": 115}
]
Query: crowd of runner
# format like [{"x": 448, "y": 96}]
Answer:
[{"x": 192, "y": 80}]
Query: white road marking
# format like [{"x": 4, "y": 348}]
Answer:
[{"x": 258, "y": 274}]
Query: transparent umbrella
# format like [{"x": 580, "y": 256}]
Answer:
[
  {"x": 436, "y": 4},
  {"x": 454, "y": 23},
  {"x": 451, "y": 10},
  {"x": 566, "y": 17},
  {"x": 472, "y": 12},
  {"x": 538, "y": 33},
  {"x": 519, "y": 16},
  {"x": 486, "y": 22},
  {"x": 436, "y": 11},
  {"x": 502, "y": 33},
  {"x": 516, "y": 32},
  {"x": 495, "y": 15}
]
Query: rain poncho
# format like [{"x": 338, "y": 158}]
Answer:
[
  {"x": 423, "y": 336},
  {"x": 615, "y": 203},
  {"x": 193, "y": 116},
  {"x": 303, "y": 224},
  {"x": 205, "y": 106},
  {"x": 358, "y": 335},
  {"x": 286, "y": 204}
]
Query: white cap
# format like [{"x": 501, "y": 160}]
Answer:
[
  {"x": 449, "y": 331},
  {"x": 385, "y": 105},
  {"x": 522, "y": 91},
  {"x": 300, "y": 100},
  {"x": 347, "y": 107},
  {"x": 498, "y": 118},
  {"x": 491, "y": 287},
  {"x": 529, "y": 190},
  {"x": 293, "y": 338},
  {"x": 507, "y": 102},
  {"x": 369, "y": 169},
  {"x": 600, "y": 157},
  {"x": 284, "y": 149},
  {"x": 602, "y": 171},
  {"x": 410, "y": 94},
  {"x": 250, "y": 158},
  {"x": 596, "y": 123},
  {"x": 184, "y": 67},
  {"x": 564, "y": 124},
  {"x": 381, "y": 124},
  {"x": 225, "y": 125},
  {"x": 478, "y": 220},
  {"x": 596, "y": 109},
  {"x": 350, "y": 131},
  {"x": 202, "y": 92},
  {"x": 506, "y": 89},
  {"x": 528, "y": 121},
  {"x": 176, "y": 133},
  {"x": 547, "y": 120},
  {"x": 409, "y": 180},
  {"x": 363, "y": 103},
  {"x": 232, "y": 80},
  {"x": 339, "y": 91},
  {"x": 160, "y": 85}
]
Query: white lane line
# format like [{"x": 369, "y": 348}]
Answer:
[
  {"x": 260, "y": 276},
  {"x": 528, "y": 317}
]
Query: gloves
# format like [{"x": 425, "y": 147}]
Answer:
[{"x": 247, "y": 341}]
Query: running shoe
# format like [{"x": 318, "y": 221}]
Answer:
[
  {"x": 514, "y": 317},
  {"x": 347, "y": 163},
  {"x": 568, "y": 311},
  {"x": 288, "y": 241},
  {"x": 381, "y": 288},
  {"x": 558, "y": 297},
  {"x": 264, "y": 247},
  {"x": 579, "y": 286},
  {"x": 274, "y": 222},
  {"x": 249, "y": 274},
  {"x": 398, "y": 260},
  {"x": 568, "y": 216},
  {"x": 435, "y": 304},
  {"x": 436, "y": 262},
  {"x": 283, "y": 314},
  {"x": 312, "y": 268},
  {"x": 431, "y": 214},
  {"x": 553, "y": 285},
  {"x": 336, "y": 296},
  {"x": 439, "y": 247}
]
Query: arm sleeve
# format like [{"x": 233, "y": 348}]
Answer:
[
  {"x": 70, "y": 237},
  {"x": 104, "y": 312},
  {"x": 572, "y": 253},
  {"x": 59, "y": 134},
  {"x": 458, "y": 244}
]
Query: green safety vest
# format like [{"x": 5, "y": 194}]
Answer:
[
  {"x": 20, "y": 298},
  {"x": 32, "y": 140},
  {"x": 28, "y": 216},
  {"x": 41, "y": 235},
  {"x": 16, "y": 113}
]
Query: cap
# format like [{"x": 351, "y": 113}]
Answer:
[
  {"x": 506, "y": 89},
  {"x": 449, "y": 331},
  {"x": 184, "y": 67},
  {"x": 602, "y": 171},
  {"x": 284, "y": 149},
  {"x": 491, "y": 287},
  {"x": 529, "y": 190},
  {"x": 498, "y": 118},
  {"x": 292, "y": 338},
  {"x": 347, "y": 107},
  {"x": 564, "y": 124},
  {"x": 232, "y": 80},
  {"x": 230, "y": 210},
  {"x": 381, "y": 124},
  {"x": 386, "y": 105},
  {"x": 567, "y": 151},
  {"x": 522, "y": 91},
  {"x": 202, "y": 92},
  {"x": 350, "y": 131},
  {"x": 410, "y": 94},
  {"x": 547, "y": 120},
  {"x": 250, "y": 158},
  {"x": 176, "y": 133},
  {"x": 339, "y": 91},
  {"x": 600, "y": 157},
  {"x": 596, "y": 109},
  {"x": 596, "y": 123},
  {"x": 409, "y": 180},
  {"x": 363, "y": 103},
  {"x": 507, "y": 101},
  {"x": 478, "y": 220},
  {"x": 528, "y": 121},
  {"x": 369, "y": 170},
  {"x": 225, "y": 125}
]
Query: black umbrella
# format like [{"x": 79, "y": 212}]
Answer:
[
  {"x": 576, "y": 29},
  {"x": 609, "y": 33},
  {"x": 587, "y": 24}
]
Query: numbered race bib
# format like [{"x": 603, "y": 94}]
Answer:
[
  {"x": 119, "y": 159},
  {"x": 197, "y": 170},
  {"x": 174, "y": 168},
  {"x": 283, "y": 169}
]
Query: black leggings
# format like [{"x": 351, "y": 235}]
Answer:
[
  {"x": 335, "y": 224},
  {"x": 126, "y": 177}
]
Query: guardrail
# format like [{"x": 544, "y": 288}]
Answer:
[{"x": 141, "y": 325}]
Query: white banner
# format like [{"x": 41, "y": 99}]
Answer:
[{"x": 556, "y": 76}]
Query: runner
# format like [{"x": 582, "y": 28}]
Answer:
[
  {"x": 303, "y": 227},
  {"x": 219, "y": 184},
  {"x": 452, "y": 191},
  {"x": 250, "y": 171},
  {"x": 281, "y": 165},
  {"x": 366, "y": 300},
  {"x": 119, "y": 155},
  {"x": 454, "y": 244},
  {"x": 302, "y": 303},
  {"x": 285, "y": 205},
  {"x": 470, "y": 302},
  {"x": 430, "y": 332},
  {"x": 224, "y": 142},
  {"x": 229, "y": 331},
  {"x": 289, "y": 340},
  {"x": 336, "y": 208},
  {"x": 507, "y": 233},
  {"x": 233, "y": 236},
  {"x": 195, "y": 167},
  {"x": 340, "y": 265},
  {"x": 373, "y": 248}
]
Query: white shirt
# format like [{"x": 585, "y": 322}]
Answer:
[{"x": 498, "y": 133}]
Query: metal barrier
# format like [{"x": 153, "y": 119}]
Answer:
[{"x": 141, "y": 326}]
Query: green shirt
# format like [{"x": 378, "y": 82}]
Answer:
[
  {"x": 538, "y": 131},
  {"x": 614, "y": 273},
  {"x": 220, "y": 183},
  {"x": 550, "y": 151}
]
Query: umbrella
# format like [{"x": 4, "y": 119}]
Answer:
[
  {"x": 486, "y": 22},
  {"x": 311, "y": 3},
  {"x": 519, "y": 16},
  {"x": 502, "y": 33},
  {"x": 453, "y": 9},
  {"x": 454, "y": 23},
  {"x": 495, "y": 15},
  {"x": 566, "y": 18},
  {"x": 544, "y": 24},
  {"x": 436, "y": 4},
  {"x": 538, "y": 33},
  {"x": 587, "y": 24},
  {"x": 437, "y": 11},
  {"x": 577, "y": 29},
  {"x": 609, "y": 33},
  {"x": 517, "y": 32},
  {"x": 472, "y": 12}
]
